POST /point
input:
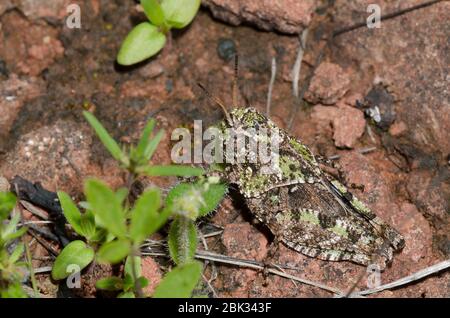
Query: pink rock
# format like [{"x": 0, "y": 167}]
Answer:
[
  {"x": 243, "y": 240},
  {"x": 287, "y": 16},
  {"x": 28, "y": 48},
  {"x": 430, "y": 193},
  {"x": 151, "y": 271},
  {"x": 15, "y": 92},
  {"x": 398, "y": 128},
  {"x": 45, "y": 8},
  {"x": 5, "y": 5},
  {"x": 348, "y": 123},
  {"x": 329, "y": 84},
  {"x": 416, "y": 231},
  {"x": 60, "y": 156},
  {"x": 419, "y": 85}
]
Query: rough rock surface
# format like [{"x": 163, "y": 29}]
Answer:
[
  {"x": 287, "y": 16},
  {"x": 242, "y": 240},
  {"x": 28, "y": 52},
  {"x": 14, "y": 92},
  {"x": 57, "y": 153},
  {"x": 415, "y": 65},
  {"x": 330, "y": 82},
  {"x": 347, "y": 122},
  {"x": 151, "y": 271}
]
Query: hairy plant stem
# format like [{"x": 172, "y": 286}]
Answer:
[
  {"x": 137, "y": 285},
  {"x": 183, "y": 240}
]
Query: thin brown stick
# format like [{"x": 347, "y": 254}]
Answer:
[
  {"x": 408, "y": 279},
  {"x": 204, "y": 255},
  {"x": 34, "y": 210},
  {"x": 362, "y": 151},
  {"x": 43, "y": 243}
]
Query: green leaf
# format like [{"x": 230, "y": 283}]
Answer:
[
  {"x": 152, "y": 145},
  {"x": 144, "y": 41},
  {"x": 106, "y": 206},
  {"x": 71, "y": 212},
  {"x": 100, "y": 235},
  {"x": 17, "y": 253},
  {"x": 212, "y": 196},
  {"x": 10, "y": 231},
  {"x": 137, "y": 265},
  {"x": 13, "y": 235},
  {"x": 75, "y": 253},
  {"x": 180, "y": 282},
  {"x": 13, "y": 290},
  {"x": 106, "y": 139},
  {"x": 122, "y": 194},
  {"x": 114, "y": 252},
  {"x": 7, "y": 203},
  {"x": 179, "y": 13},
  {"x": 143, "y": 282},
  {"x": 87, "y": 224},
  {"x": 171, "y": 170},
  {"x": 128, "y": 282},
  {"x": 143, "y": 142},
  {"x": 144, "y": 215},
  {"x": 110, "y": 283},
  {"x": 153, "y": 11},
  {"x": 182, "y": 240},
  {"x": 126, "y": 295}
]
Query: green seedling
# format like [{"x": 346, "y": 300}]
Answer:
[
  {"x": 148, "y": 38},
  {"x": 12, "y": 268},
  {"x": 113, "y": 229}
]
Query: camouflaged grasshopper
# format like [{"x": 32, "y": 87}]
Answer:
[{"x": 302, "y": 205}]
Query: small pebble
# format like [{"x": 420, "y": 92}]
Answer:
[{"x": 226, "y": 49}]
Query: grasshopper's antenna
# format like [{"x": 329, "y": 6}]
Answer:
[
  {"x": 235, "y": 81},
  {"x": 217, "y": 101}
]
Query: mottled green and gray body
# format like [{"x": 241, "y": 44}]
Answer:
[{"x": 305, "y": 207}]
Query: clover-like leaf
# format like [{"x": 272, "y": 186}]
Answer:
[
  {"x": 76, "y": 255},
  {"x": 144, "y": 41},
  {"x": 180, "y": 282}
]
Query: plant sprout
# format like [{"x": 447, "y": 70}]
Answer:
[{"x": 148, "y": 38}]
